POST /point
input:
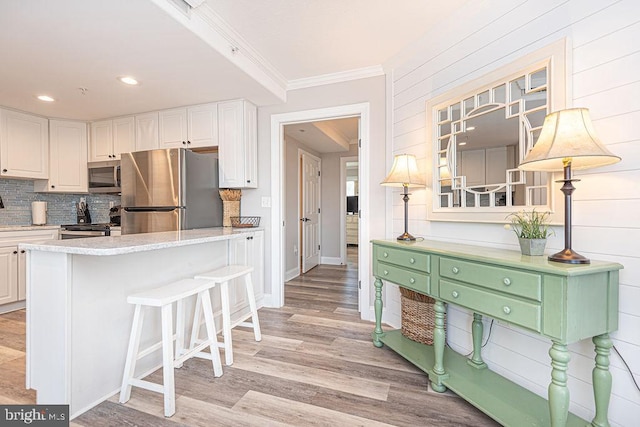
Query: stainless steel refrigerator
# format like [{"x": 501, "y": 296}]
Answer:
[{"x": 169, "y": 189}]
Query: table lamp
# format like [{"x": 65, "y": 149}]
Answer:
[
  {"x": 567, "y": 141},
  {"x": 404, "y": 173}
]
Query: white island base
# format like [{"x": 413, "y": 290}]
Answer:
[{"x": 78, "y": 319}]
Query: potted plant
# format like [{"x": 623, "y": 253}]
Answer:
[{"x": 532, "y": 229}]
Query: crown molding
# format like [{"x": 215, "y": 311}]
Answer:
[{"x": 343, "y": 76}]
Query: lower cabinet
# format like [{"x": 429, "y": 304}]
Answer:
[
  {"x": 13, "y": 264},
  {"x": 247, "y": 251}
]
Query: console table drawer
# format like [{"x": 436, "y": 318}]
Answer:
[
  {"x": 526, "y": 314},
  {"x": 520, "y": 283},
  {"x": 406, "y": 278},
  {"x": 416, "y": 261}
]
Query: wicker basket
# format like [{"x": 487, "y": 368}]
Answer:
[
  {"x": 418, "y": 316},
  {"x": 230, "y": 208}
]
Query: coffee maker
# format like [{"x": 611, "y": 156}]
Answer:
[{"x": 83, "y": 215}]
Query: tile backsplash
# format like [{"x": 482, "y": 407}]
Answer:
[{"x": 17, "y": 196}]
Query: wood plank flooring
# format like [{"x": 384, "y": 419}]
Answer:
[{"x": 316, "y": 366}]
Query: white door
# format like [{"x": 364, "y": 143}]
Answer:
[{"x": 310, "y": 218}]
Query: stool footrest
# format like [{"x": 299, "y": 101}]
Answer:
[{"x": 158, "y": 388}]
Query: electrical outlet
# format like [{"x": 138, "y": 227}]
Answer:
[
  {"x": 295, "y": 249},
  {"x": 112, "y": 204},
  {"x": 266, "y": 202}
]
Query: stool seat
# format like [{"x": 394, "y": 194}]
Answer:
[
  {"x": 223, "y": 276},
  {"x": 164, "y": 297}
]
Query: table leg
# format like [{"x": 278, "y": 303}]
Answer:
[
  {"x": 476, "y": 333},
  {"x": 558, "y": 391},
  {"x": 602, "y": 380},
  {"x": 377, "y": 308},
  {"x": 439, "y": 337}
]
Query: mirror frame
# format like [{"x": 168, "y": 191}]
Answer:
[{"x": 553, "y": 57}]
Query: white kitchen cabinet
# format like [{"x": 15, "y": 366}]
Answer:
[
  {"x": 147, "y": 137},
  {"x": 237, "y": 144},
  {"x": 24, "y": 145},
  {"x": 352, "y": 229},
  {"x": 189, "y": 127},
  {"x": 67, "y": 158},
  {"x": 110, "y": 138},
  {"x": 247, "y": 251},
  {"x": 13, "y": 264}
]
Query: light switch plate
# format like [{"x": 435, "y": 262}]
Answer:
[{"x": 266, "y": 202}]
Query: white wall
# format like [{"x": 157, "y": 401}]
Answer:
[
  {"x": 604, "y": 60},
  {"x": 370, "y": 90}
]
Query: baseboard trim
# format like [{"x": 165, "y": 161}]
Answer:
[
  {"x": 330, "y": 260},
  {"x": 291, "y": 274}
]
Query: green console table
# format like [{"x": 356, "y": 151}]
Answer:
[{"x": 563, "y": 302}]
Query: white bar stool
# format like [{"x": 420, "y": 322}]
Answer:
[
  {"x": 222, "y": 276},
  {"x": 164, "y": 297}
]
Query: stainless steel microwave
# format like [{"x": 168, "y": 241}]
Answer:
[{"x": 104, "y": 177}]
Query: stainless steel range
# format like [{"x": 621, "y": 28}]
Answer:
[{"x": 79, "y": 231}]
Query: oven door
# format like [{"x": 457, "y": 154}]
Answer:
[{"x": 81, "y": 234}]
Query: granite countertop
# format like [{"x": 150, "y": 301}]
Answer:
[
  {"x": 130, "y": 243},
  {"x": 28, "y": 227}
]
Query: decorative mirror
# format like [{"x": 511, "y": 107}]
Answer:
[{"x": 480, "y": 133}]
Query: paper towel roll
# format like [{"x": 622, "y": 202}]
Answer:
[{"x": 39, "y": 213}]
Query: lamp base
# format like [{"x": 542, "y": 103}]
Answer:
[
  {"x": 406, "y": 237},
  {"x": 568, "y": 256}
]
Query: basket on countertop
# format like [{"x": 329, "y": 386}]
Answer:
[
  {"x": 245, "y": 221},
  {"x": 418, "y": 316}
]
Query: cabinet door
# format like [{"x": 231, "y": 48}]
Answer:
[
  {"x": 124, "y": 136},
  {"x": 22, "y": 275},
  {"x": 247, "y": 251},
  {"x": 147, "y": 131},
  {"x": 101, "y": 143},
  {"x": 24, "y": 145},
  {"x": 202, "y": 124},
  {"x": 8, "y": 274},
  {"x": 68, "y": 159},
  {"x": 237, "y": 144},
  {"x": 256, "y": 259},
  {"x": 173, "y": 128}
]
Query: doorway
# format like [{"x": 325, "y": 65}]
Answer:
[{"x": 278, "y": 122}]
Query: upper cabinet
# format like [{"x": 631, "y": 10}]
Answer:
[
  {"x": 67, "y": 158},
  {"x": 110, "y": 138},
  {"x": 24, "y": 145},
  {"x": 237, "y": 144},
  {"x": 189, "y": 127},
  {"x": 147, "y": 131}
]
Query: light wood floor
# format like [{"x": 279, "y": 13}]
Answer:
[{"x": 316, "y": 366}]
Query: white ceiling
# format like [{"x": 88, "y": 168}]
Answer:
[
  {"x": 328, "y": 136},
  {"x": 57, "y": 47}
]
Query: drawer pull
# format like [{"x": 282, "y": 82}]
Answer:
[
  {"x": 412, "y": 261},
  {"x": 506, "y": 309},
  {"x": 506, "y": 281},
  {"x": 455, "y": 270},
  {"x": 455, "y": 294},
  {"x": 384, "y": 254},
  {"x": 385, "y": 272},
  {"x": 412, "y": 280}
]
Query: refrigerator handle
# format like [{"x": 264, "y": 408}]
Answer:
[{"x": 152, "y": 209}]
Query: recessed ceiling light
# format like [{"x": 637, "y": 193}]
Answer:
[
  {"x": 471, "y": 127},
  {"x": 462, "y": 143},
  {"x": 128, "y": 80},
  {"x": 45, "y": 98}
]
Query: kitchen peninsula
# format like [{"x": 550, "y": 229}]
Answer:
[{"x": 78, "y": 319}]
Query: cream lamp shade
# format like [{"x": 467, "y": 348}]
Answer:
[
  {"x": 567, "y": 141},
  {"x": 567, "y": 135},
  {"x": 404, "y": 173}
]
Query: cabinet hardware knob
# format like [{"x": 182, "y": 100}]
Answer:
[
  {"x": 506, "y": 309},
  {"x": 385, "y": 272},
  {"x": 53, "y": 186},
  {"x": 412, "y": 280},
  {"x": 249, "y": 181},
  {"x": 412, "y": 261},
  {"x": 455, "y": 270},
  {"x": 15, "y": 252},
  {"x": 384, "y": 254},
  {"x": 184, "y": 143},
  {"x": 455, "y": 294},
  {"x": 188, "y": 142},
  {"x": 22, "y": 251},
  {"x": 4, "y": 171},
  {"x": 506, "y": 281}
]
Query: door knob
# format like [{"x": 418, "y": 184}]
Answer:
[{"x": 304, "y": 219}]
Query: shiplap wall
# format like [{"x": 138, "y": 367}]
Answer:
[{"x": 604, "y": 67}]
